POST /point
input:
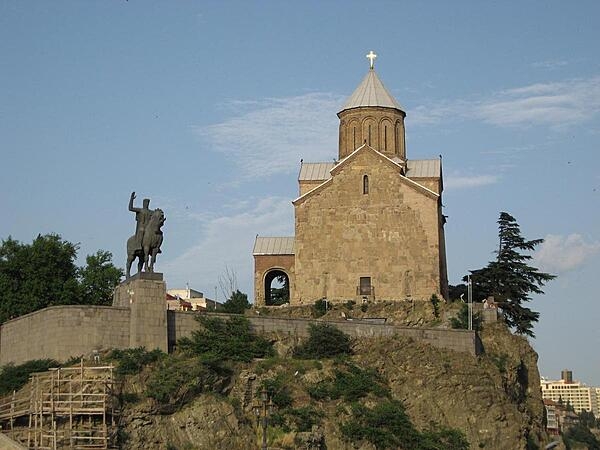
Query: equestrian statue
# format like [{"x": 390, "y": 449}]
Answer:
[{"x": 145, "y": 243}]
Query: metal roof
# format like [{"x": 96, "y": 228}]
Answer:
[
  {"x": 423, "y": 168},
  {"x": 315, "y": 171},
  {"x": 371, "y": 92},
  {"x": 273, "y": 245}
]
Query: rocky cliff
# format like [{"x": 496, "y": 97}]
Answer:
[{"x": 494, "y": 399}]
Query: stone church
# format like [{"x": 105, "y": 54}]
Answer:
[{"x": 369, "y": 225}]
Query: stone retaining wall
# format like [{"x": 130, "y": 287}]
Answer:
[
  {"x": 183, "y": 323},
  {"x": 60, "y": 332}
]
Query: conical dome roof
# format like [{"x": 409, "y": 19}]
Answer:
[{"x": 371, "y": 92}]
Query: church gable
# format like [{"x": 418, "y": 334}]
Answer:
[{"x": 369, "y": 161}]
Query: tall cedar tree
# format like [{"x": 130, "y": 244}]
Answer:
[{"x": 510, "y": 279}]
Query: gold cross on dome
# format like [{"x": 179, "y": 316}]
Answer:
[{"x": 372, "y": 57}]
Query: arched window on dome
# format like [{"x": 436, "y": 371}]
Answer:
[{"x": 365, "y": 184}]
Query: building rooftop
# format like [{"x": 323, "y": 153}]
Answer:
[
  {"x": 315, "y": 171},
  {"x": 273, "y": 245},
  {"x": 371, "y": 92},
  {"x": 423, "y": 168}
]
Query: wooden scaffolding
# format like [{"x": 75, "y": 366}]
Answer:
[{"x": 66, "y": 408}]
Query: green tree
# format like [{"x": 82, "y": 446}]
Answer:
[
  {"x": 99, "y": 278},
  {"x": 509, "y": 278},
  {"x": 237, "y": 303},
  {"x": 43, "y": 273},
  {"x": 455, "y": 292},
  {"x": 37, "y": 275}
]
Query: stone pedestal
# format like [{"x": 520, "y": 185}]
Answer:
[{"x": 145, "y": 295}]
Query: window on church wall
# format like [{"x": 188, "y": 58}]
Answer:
[
  {"x": 369, "y": 134},
  {"x": 354, "y": 139},
  {"x": 365, "y": 185},
  {"x": 364, "y": 286},
  {"x": 385, "y": 138}
]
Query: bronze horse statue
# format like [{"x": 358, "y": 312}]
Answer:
[{"x": 149, "y": 247}]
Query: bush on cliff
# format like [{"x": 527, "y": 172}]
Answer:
[
  {"x": 225, "y": 340},
  {"x": 350, "y": 383},
  {"x": 13, "y": 378},
  {"x": 324, "y": 341},
  {"x": 132, "y": 360},
  {"x": 387, "y": 426}
]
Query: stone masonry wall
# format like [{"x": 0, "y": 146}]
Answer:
[
  {"x": 60, "y": 332},
  {"x": 457, "y": 340},
  {"x": 266, "y": 263},
  {"x": 390, "y": 234}
]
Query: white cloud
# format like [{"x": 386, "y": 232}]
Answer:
[
  {"x": 558, "y": 104},
  {"x": 227, "y": 240},
  {"x": 467, "y": 182},
  {"x": 559, "y": 254},
  {"x": 271, "y": 136},
  {"x": 549, "y": 64}
]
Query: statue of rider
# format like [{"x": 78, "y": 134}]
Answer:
[{"x": 142, "y": 217}]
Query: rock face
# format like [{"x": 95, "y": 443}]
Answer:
[
  {"x": 209, "y": 422},
  {"x": 494, "y": 399}
]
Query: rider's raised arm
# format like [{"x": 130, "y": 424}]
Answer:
[{"x": 131, "y": 207}]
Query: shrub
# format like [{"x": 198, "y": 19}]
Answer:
[
  {"x": 351, "y": 385},
  {"x": 278, "y": 391},
  {"x": 461, "y": 321},
  {"x": 320, "y": 308},
  {"x": 304, "y": 418},
  {"x": 222, "y": 340},
  {"x": 435, "y": 302},
  {"x": 176, "y": 381},
  {"x": 133, "y": 360},
  {"x": 387, "y": 426},
  {"x": 13, "y": 378},
  {"x": 324, "y": 341}
]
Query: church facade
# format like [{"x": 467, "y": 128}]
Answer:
[{"x": 369, "y": 225}]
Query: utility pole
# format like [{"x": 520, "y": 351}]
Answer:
[{"x": 470, "y": 301}]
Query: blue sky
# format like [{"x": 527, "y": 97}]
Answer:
[{"x": 208, "y": 107}]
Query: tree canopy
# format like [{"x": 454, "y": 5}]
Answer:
[
  {"x": 509, "y": 278},
  {"x": 43, "y": 273},
  {"x": 237, "y": 303}
]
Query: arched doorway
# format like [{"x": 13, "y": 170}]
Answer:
[{"x": 277, "y": 288}]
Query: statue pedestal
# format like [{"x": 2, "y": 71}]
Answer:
[{"x": 145, "y": 296}]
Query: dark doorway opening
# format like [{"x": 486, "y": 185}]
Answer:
[{"x": 277, "y": 288}]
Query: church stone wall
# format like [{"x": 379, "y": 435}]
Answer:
[
  {"x": 61, "y": 332},
  {"x": 390, "y": 234},
  {"x": 265, "y": 263},
  {"x": 380, "y": 128}
]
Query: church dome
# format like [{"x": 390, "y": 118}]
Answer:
[
  {"x": 371, "y": 92},
  {"x": 372, "y": 116}
]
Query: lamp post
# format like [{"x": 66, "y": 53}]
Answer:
[
  {"x": 263, "y": 411},
  {"x": 470, "y": 301}
]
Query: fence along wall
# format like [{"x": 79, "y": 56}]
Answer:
[
  {"x": 60, "y": 332},
  {"x": 183, "y": 323}
]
